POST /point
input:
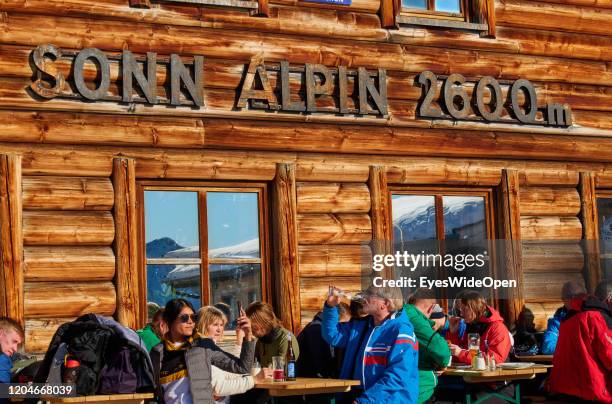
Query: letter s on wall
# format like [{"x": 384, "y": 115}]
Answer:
[{"x": 45, "y": 66}]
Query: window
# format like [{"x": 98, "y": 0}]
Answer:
[
  {"x": 604, "y": 209},
  {"x": 440, "y": 222},
  {"x": 449, "y": 8},
  {"x": 470, "y": 15},
  {"x": 205, "y": 244}
]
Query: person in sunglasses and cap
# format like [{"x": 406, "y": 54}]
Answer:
[
  {"x": 182, "y": 361},
  {"x": 381, "y": 349}
]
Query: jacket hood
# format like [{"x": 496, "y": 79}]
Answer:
[
  {"x": 493, "y": 318},
  {"x": 590, "y": 303}
]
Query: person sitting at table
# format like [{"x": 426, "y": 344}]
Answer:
[
  {"x": 356, "y": 307},
  {"x": 569, "y": 291},
  {"x": 182, "y": 361},
  {"x": 11, "y": 337},
  {"x": 525, "y": 340},
  {"x": 317, "y": 357},
  {"x": 211, "y": 324},
  {"x": 271, "y": 335},
  {"x": 486, "y": 321},
  {"x": 454, "y": 326},
  {"x": 381, "y": 349},
  {"x": 582, "y": 365},
  {"x": 153, "y": 333},
  {"x": 603, "y": 292},
  {"x": 434, "y": 353}
]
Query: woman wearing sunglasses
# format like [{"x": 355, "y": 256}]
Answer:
[{"x": 182, "y": 361}]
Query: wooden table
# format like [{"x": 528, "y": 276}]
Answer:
[
  {"x": 535, "y": 358},
  {"x": 306, "y": 385},
  {"x": 498, "y": 375},
  {"x": 137, "y": 398}
]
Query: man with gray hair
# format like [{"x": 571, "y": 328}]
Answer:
[
  {"x": 569, "y": 291},
  {"x": 381, "y": 349},
  {"x": 582, "y": 365}
]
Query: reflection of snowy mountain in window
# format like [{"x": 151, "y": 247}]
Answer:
[
  {"x": 186, "y": 274},
  {"x": 228, "y": 282},
  {"x": 414, "y": 218}
]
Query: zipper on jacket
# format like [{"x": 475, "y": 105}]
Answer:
[{"x": 389, "y": 317}]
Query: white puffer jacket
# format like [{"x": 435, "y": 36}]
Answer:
[{"x": 224, "y": 384}]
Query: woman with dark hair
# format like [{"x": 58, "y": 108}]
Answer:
[
  {"x": 484, "y": 320},
  {"x": 182, "y": 361}
]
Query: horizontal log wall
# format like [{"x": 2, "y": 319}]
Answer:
[
  {"x": 69, "y": 264},
  {"x": 333, "y": 228},
  {"x": 551, "y": 253},
  {"x": 333, "y": 221},
  {"x": 580, "y": 78}
]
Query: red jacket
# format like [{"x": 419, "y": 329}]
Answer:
[
  {"x": 495, "y": 333},
  {"x": 582, "y": 365}
]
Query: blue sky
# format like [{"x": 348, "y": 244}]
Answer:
[{"x": 232, "y": 217}]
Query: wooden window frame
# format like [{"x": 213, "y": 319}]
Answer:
[
  {"x": 476, "y": 16},
  {"x": 438, "y": 193},
  {"x": 261, "y": 189}
]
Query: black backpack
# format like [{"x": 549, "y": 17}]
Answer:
[
  {"x": 87, "y": 342},
  {"x": 111, "y": 359}
]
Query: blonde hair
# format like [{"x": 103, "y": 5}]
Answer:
[
  {"x": 207, "y": 315},
  {"x": 7, "y": 324},
  {"x": 262, "y": 314}
]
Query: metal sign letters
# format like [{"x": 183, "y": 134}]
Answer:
[
  {"x": 302, "y": 89},
  {"x": 487, "y": 101}
]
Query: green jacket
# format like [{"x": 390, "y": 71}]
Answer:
[
  {"x": 274, "y": 344},
  {"x": 433, "y": 351},
  {"x": 149, "y": 337}
]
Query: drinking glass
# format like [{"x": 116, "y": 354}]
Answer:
[
  {"x": 278, "y": 368},
  {"x": 473, "y": 344}
]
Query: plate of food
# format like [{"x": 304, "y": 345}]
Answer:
[
  {"x": 515, "y": 365},
  {"x": 459, "y": 366}
]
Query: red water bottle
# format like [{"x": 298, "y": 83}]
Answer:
[{"x": 71, "y": 371}]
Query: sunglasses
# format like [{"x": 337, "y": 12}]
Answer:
[{"x": 185, "y": 318}]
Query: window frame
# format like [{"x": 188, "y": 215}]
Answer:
[
  {"x": 604, "y": 194},
  {"x": 478, "y": 16},
  {"x": 261, "y": 189}
]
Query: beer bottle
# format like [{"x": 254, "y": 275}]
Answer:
[{"x": 290, "y": 359}]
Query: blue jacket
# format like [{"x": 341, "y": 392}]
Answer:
[
  {"x": 384, "y": 358},
  {"x": 5, "y": 372},
  {"x": 549, "y": 340},
  {"x": 5, "y": 368}
]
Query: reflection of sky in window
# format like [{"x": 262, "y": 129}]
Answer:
[
  {"x": 414, "y": 3},
  {"x": 448, "y": 6},
  {"x": 233, "y": 218},
  {"x": 172, "y": 214}
]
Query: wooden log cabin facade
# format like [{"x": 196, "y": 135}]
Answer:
[{"x": 74, "y": 163}]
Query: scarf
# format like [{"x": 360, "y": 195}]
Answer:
[{"x": 174, "y": 366}]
